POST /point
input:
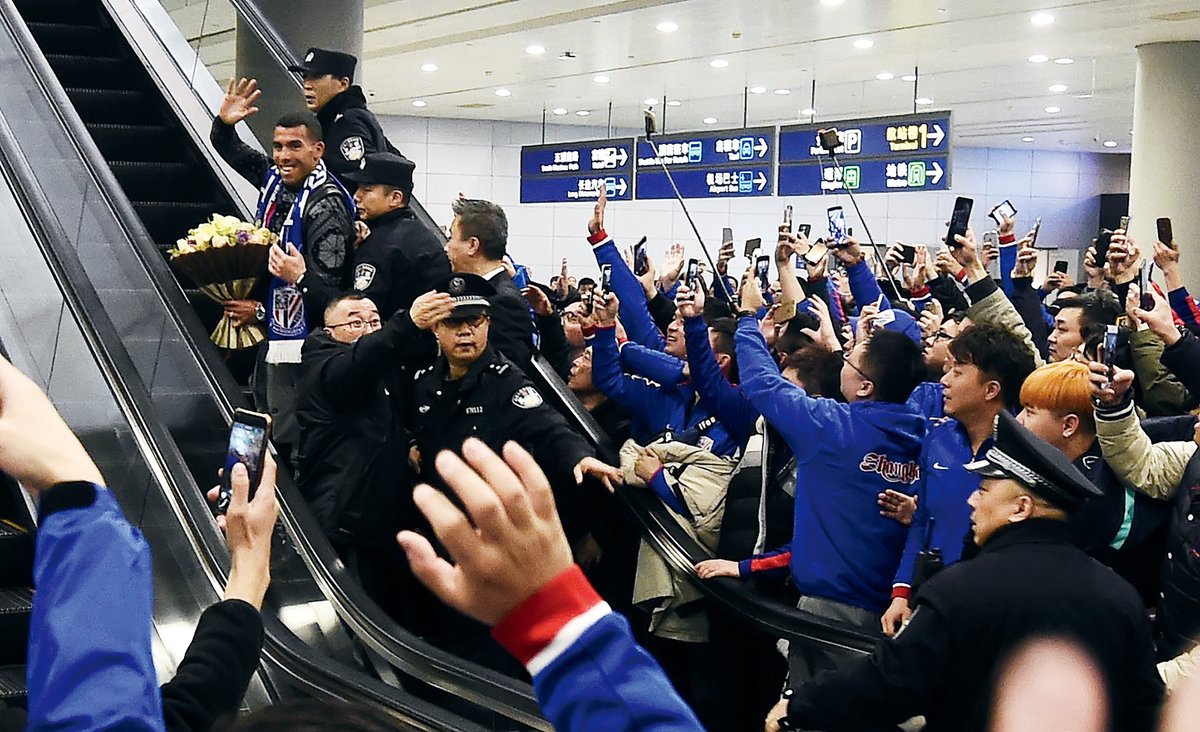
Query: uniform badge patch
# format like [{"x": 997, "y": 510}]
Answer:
[
  {"x": 527, "y": 398},
  {"x": 423, "y": 408},
  {"x": 352, "y": 148},
  {"x": 364, "y": 275}
]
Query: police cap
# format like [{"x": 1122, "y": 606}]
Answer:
[
  {"x": 384, "y": 167},
  {"x": 321, "y": 61},
  {"x": 470, "y": 293},
  {"x": 1026, "y": 458}
]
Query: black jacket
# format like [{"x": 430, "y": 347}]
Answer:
[
  {"x": 351, "y": 457},
  {"x": 1027, "y": 581},
  {"x": 400, "y": 260},
  {"x": 512, "y": 324},
  {"x": 1178, "y": 622},
  {"x": 351, "y": 131}
]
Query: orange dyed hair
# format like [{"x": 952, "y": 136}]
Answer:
[{"x": 1062, "y": 388}]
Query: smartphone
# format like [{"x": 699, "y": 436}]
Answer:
[
  {"x": 693, "y": 273},
  {"x": 1102, "y": 242},
  {"x": 1124, "y": 226},
  {"x": 589, "y": 300},
  {"x": 641, "y": 261},
  {"x": 1061, "y": 266},
  {"x": 1146, "y": 301},
  {"x": 752, "y": 245},
  {"x": 787, "y": 217},
  {"x": 247, "y": 445},
  {"x": 1109, "y": 346},
  {"x": 816, "y": 253},
  {"x": 1165, "y": 235},
  {"x": 908, "y": 254},
  {"x": 837, "y": 226},
  {"x": 993, "y": 267},
  {"x": 726, "y": 235},
  {"x": 959, "y": 220},
  {"x": 805, "y": 229},
  {"x": 1003, "y": 210},
  {"x": 605, "y": 278},
  {"x": 762, "y": 267},
  {"x": 1037, "y": 229}
]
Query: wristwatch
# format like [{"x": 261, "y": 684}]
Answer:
[{"x": 260, "y": 312}]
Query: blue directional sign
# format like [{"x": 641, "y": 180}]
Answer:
[
  {"x": 576, "y": 171},
  {"x": 877, "y": 155},
  {"x": 716, "y": 164}
]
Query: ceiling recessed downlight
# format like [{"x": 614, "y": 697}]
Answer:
[
  {"x": 718, "y": 63},
  {"x": 1064, "y": 60},
  {"x": 649, "y": 101},
  {"x": 924, "y": 100},
  {"x": 583, "y": 112},
  {"x": 1057, "y": 88},
  {"x": 429, "y": 68},
  {"x": 418, "y": 103},
  {"x": 601, "y": 79},
  {"x": 1042, "y": 18},
  {"x": 832, "y": 2},
  {"x": 535, "y": 50},
  {"x": 1038, "y": 58},
  {"x": 667, "y": 26},
  {"x": 1026, "y": 139},
  {"x": 885, "y": 76},
  {"x": 1110, "y": 143},
  {"x": 560, "y": 111},
  {"x": 1053, "y": 110},
  {"x": 503, "y": 93},
  {"x": 863, "y": 43},
  {"x": 758, "y": 90},
  {"x": 807, "y": 112},
  {"x": 674, "y": 103},
  {"x": 908, "y": 77},
  {"x": 710, "y": 120},
  {"x": 783, "y": 92}
]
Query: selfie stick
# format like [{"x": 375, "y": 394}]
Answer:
[
  {"x": 652, "y": 129},
  {"x": 870, "y": 239}
]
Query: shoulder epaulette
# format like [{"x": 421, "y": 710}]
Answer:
[{"x": 499, "y": 368}]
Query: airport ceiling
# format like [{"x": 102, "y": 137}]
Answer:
[{"x": 1014, "y": 72}]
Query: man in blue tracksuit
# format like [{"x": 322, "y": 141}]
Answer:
[
  {"x": 988, "y": 363},
  {"x": 844, "y": 554}
]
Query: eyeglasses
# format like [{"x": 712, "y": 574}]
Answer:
[
  {"x": 941, "y": 335},
  {"x": 473, "y": 321},
  {"x": 357, "y": 324},
  {"x": 848, "y": 362}
]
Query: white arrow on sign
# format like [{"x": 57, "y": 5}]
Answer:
[
  {"x": 622, "y": 156},
  {"x": 935, "y": 173},
  {"x": 762, "y": 180},
  {"x": 937, "y": 135},
  {"x": 761, "y": 147},
  {"x": 622, "y": 187}
]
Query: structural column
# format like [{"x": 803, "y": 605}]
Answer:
[
  {"x": 1164, "y": 175},
  {"x": 337, "y": 26}
]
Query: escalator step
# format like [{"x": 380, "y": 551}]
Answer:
[
  {"x": 149, "y": 180},
  {"x": 138, "y": 142},
  {"x": 113, "y": 106},
  {"x": 77, "y": 39},
  {"x": 74, "y": 70},
  {"x": 12, "y": 684},
  {"x": 166, "y": 221},
  {"x": 16, "y": 606},
  {"x": 67, "y": 12},
  {"x": 16, "y": 556}
]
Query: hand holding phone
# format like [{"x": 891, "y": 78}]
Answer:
[
  {"x": 1108, "y": 347},
  {"x": 960, "y": 220},
  {"x": 641, "y": 260},
  {"x": 787, "y": 217},
  {"x": 1003, "y": 210},
  {"x": 762, "y": 268},
  {"x": 837, "y": 226},
  {"x": 752, "y": 245},
  {"x": 692, "y": 274},
  {"x": 1165, "y": 235},
  {"x": 605, "y": 279},
  {"x": 248, "y": 437}
]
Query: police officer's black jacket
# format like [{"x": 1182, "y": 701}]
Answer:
[
  {"x": 494, "y": 402},
  {"x": 327, "y": 226},
  {"x": 1028, "y": 581},
  {"x": 512, "y": 325},
  {"x": 401, "y": 259},
  {"x": 351, "y": 455},
  {"x": 351, "y": 131}
]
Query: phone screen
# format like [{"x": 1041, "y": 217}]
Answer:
[
  {"x": 1110, "y": 345},
  {"x": 752, "y": 245},
  {"x": 247, "y": 445},
  {"x": 762, "y": 267},
  {"x": 959, "y": 220},
  {"x": 1124, "y": 225},
  {"x": 837, "y": 226},
  {"x": 589, "y": 300},
  {"x": 1037, "y": 229},
  {"x": 1144, "y": 285},
  {"x": 805, "y": 229},
  {"x": 726, "y": 235},
  {"x": 908, "y": 254},
  {"x": 1165, "y": 235},
  {"x": 787, "y": 217},
  {"x": 641, "y": 263},
  {"x": 1003, "y": 210},
  {"x": 606, "y": 278},
  {"x": 1061, "y": 266},
  {"x": 1102, "y": 243},
  {"x": 693, "y": 273}
]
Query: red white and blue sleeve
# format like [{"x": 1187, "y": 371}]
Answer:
[
  {"x": 588, "y": 672},
  {"x": 775, "y": 561}
]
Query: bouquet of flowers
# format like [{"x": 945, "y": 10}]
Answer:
[{"x": 226, "y": 257}]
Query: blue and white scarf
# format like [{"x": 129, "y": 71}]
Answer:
[{"x": 286, "y": 319}]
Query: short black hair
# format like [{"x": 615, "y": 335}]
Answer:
[
  {"x": 818, "y": 368},
  {"x": 723, "y": 341},
  {"x": 486, "y": 222},
  {"x": 999, "y": 354},
  {"x": 792, "y": 338},
  {"x": 341, "y": 299},
  {"x": 895, "y": 365},
  {"x": 304, "y": 119},
  {"x": 586, "y": 282},
  {"x": 1097, "y": 310}
]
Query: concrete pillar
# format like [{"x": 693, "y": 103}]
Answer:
[
  {"x": 301, "y": 24},
  {"x": 1165, "y": 167}
]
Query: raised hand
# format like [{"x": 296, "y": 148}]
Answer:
[
  {"x": 931, "y": 318},
  {"x": 537, "y": 300},
  {"x": 605, "y": 307},
  {"x": 690, "y": 303},
  {"x": 672, "y": 266},
  {"x": 239, "y": 100},
  {"x": 597, "y": 222},
  {"x": 1026, "y": 262}
]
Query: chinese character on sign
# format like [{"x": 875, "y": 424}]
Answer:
[
  {"x": 901, "y": 170},
  {"x": 891, "y": 168},
  {"x": 891, "y": 134}
]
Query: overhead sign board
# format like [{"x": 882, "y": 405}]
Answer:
[
  {"x": 877, "y": 155},
  {"x": 576, "y": 171},
  {"x": 717, "y": 164}
]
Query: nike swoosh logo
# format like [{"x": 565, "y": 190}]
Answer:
[{"x": 939, "y": 466}]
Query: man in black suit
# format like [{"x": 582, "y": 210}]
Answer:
[{"x": 478, "y": 243}]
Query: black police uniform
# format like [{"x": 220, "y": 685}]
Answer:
[
  {"x": 402, "y": 257},
  {"x": 351, "y": 130},
  {"x": 1028, "y": 580}
]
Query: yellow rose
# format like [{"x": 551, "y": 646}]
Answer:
[
  {"x": 226, "y": 224},
  {"x": 220, "y": 240},
  {"x": 203, "y": 233}
]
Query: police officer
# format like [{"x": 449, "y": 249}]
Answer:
[
  {"x": 1028, "y": 580},
  {"x": 401, "y": 256},
  {"x": 351, "y": 130},
  {"x": 474, "y": 391}
]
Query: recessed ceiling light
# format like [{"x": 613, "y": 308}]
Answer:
[
  {"x": 832, "y": 2},
  {"x": 674, "y": 103},
  {"x": 1110, "y": 143},
  {"x": 667, "y": 26},
  {"x": 418, "y": 103},
  {"x": 601, "y": 79},
  {"x": 710, "y": 120},
  {"x": 807, "y": 112},
  {"x": 535, "y": 50},
  {"x": 908, "y": 78},
  {"x": 429, "y": 68},
  {"x": 649, "y": 101},
  {"x": 1026, "y": 139},
  {"x": 863, "y": 43},
  {"x": 1042, "y": 18},
  {"x": 1053, "y": 110},
  {"x": 1057, "y": 88},
  {"x": 1064, "y": 61},
  {"x": 885, "y": 76},
  {"x": 503, "y": 93},
  {"x": 718, "y": 63},
  {"x": 924, "y": 100},
  {"x": 560, "y": 111},
  {"x": 758, "y": 90},
  {"x": 783, "y": 92},
  {"x": 583, "y": 112},
  {"x": 1038, "y": 58}
]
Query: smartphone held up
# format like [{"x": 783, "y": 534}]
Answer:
[{"x": 248, "y": 439}]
